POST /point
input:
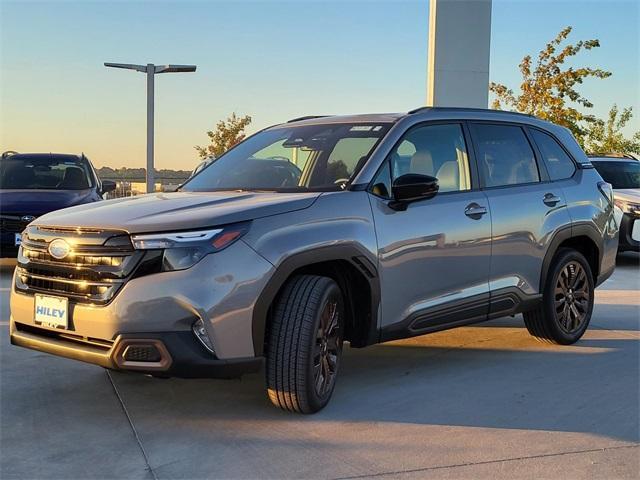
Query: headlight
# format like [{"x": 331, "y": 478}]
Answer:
[
  {"x": 628, "y": 207},
  {"x": 181, "y": 250}
]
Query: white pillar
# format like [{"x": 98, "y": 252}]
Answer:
[{"x": 458, "y": 53}]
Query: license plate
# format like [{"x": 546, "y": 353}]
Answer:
[
  {"x": 18, "y": 239},
  {"x": 51, "y": 311}
]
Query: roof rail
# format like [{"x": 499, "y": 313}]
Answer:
[
  {"x": 612, "y": 155},
  {"x": 307, "y": 117},
  {"x": 465, "y": 109}
]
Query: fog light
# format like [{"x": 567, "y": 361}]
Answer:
[{"x": 201, "y": 334}]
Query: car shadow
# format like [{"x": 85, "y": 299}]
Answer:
[{"x": 528, "y": 386}]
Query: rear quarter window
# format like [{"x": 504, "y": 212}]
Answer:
[{"x": 559, "y": 164}]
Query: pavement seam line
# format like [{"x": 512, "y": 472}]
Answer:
[
  {"x": 133, "y": 428},
  {"x": 487, "y": 462},
  {"x": 624, "y": 333}
]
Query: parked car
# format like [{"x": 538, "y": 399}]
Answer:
[
  {"x": 323, "y": 230},
  {"x": 623, "y": 173},
  {"x": 32, "y": 184}
]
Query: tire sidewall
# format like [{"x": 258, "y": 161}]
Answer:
[{"x": 561, "y": 261}]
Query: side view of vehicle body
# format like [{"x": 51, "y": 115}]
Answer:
[
  {"x": 32, "y": 184},
  {"x": 623, "y": 173},
  {"x": 323, "y": 230}
]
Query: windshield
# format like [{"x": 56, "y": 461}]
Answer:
[
  {"x": 304, "y": 158},
  {"x": 44, "y": 173},
  {"x": 620, "y": 174}
]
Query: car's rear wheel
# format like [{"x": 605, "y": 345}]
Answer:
[
  {"x": 567, "y": 303},
  {"x": 305, "y": 344}
]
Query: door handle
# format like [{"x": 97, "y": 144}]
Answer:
[
  {"x": 475, "y": 211},
  {"x": 551, "y": 200}
]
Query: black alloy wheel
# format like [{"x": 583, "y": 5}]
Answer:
[
  {"x": 327, "y": 349},
  {"x": 564, "y": 313},
  {"x": 572, "y": 297}
]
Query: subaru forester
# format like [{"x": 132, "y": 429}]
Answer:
[{"x": 320, "y": 231}]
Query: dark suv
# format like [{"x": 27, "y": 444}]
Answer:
[
  {"x": 32, "y": 184},
  {"x": 322, "y": 230}
]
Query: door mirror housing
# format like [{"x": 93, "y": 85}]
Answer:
[
  {"x": 412, "y": 187},
  {"x": 108, "y": 186}
]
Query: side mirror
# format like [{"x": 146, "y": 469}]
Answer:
[
  {"x": 108, "y": 186},
  {"x": 412, "y": 187}
]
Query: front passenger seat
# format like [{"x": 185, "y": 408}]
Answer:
[
  {"x": 449, "y": 177},
  {"x": 422, "y": 163}
]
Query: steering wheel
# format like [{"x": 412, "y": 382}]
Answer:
[{"x": 341, "y": 180}]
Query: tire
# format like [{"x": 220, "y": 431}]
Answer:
[
  {"x": 303, "y": 356},
  {"x": 567, "y": 301}
]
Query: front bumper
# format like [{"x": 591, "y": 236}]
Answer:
[
  {"x": 629, "y": 233},
  {"x": 221, "y": 290},
  {"x": 178, "y": 354}
]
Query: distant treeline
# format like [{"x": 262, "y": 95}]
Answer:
[{"x": 139, "y": 174}]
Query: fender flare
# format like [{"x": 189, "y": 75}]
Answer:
[
  {"x": 565, "y": 233},
  {"x": 354, "y": 253}
]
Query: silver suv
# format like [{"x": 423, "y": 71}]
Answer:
[{"x": 322, "y": 230}]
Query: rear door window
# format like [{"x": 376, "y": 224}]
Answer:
[{"x": 505, "y": 156}]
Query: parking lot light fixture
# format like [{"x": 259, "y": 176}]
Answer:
[{"x": 150, "y": 69}]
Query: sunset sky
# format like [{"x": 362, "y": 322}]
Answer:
[{"x": 271, "y": 60}]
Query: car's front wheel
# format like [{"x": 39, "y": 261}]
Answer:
[
  {"x": 567, "y": 304},
  {"x": 305, "y": 343}
]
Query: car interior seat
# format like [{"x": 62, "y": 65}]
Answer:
[
  {"x": 74, "y": 179},
  {"x": 422, "y": 163},
  {"x": 449, "y": 177}
]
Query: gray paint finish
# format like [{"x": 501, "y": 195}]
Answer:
[
  {"x": 523, "y": 227},
  {"x": 163, "y": 212},
  {"x": 430, "y": 255}
]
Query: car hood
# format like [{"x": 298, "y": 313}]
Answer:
[
  {"x": 158, "y": 212},
  {"x": 39, "y": 202},
  {"x": 627, "y": 195}
]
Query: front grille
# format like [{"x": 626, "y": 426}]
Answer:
[
  {"x": 97, "y": 266},
  {"x": 12, "y": 223}
]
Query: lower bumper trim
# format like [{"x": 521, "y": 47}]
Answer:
[{"x": 181, "y": 354}]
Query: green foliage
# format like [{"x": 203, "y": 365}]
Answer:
[
  {"x": 607, "y": 137},
  {"x": 227, "y": 133},
  {"x": 549, "y": 88}
]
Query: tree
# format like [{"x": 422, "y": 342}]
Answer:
[
  {"x": 549, "y": 88},
  {"x": 227, "y": 133},
  {"x": 607, "y": 137}
]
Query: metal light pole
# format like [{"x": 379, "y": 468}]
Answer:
[{"x": 150, "y": 69}]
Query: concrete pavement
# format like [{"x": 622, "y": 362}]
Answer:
[{"x": 481, "y": 401}]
